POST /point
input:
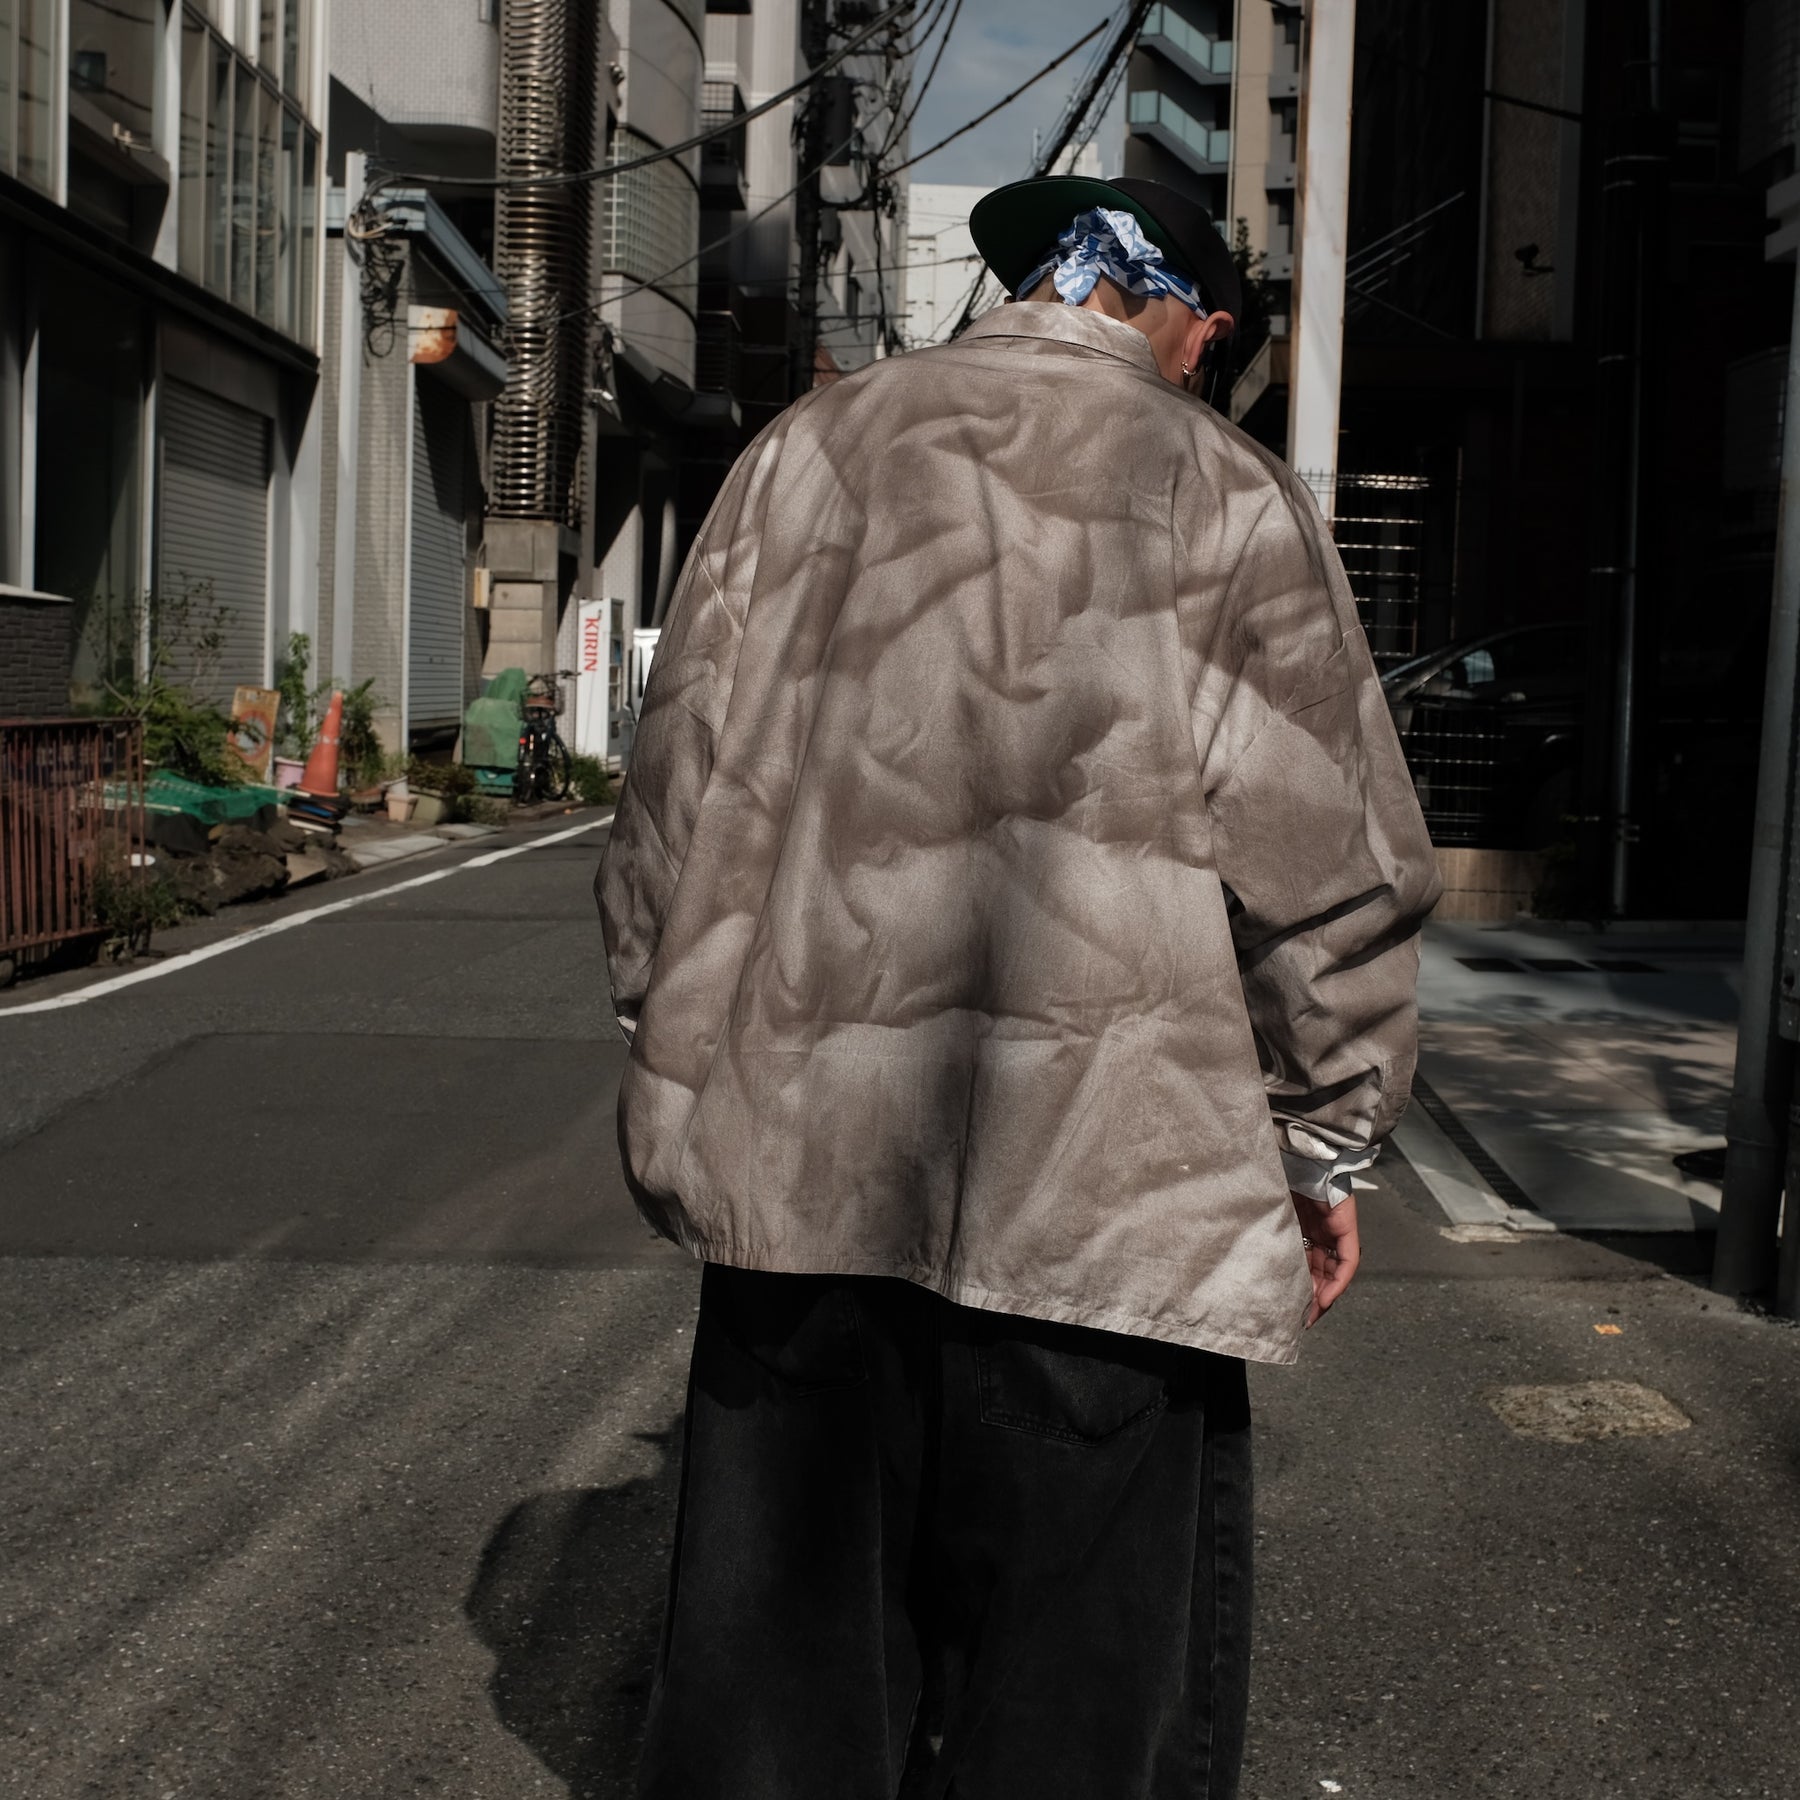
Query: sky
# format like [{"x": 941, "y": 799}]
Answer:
[{"x": 996, "y": 45}]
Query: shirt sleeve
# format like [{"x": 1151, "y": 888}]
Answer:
[
  {"x": 1321, "y": 847},
  {"x": 684, "y": 707}
]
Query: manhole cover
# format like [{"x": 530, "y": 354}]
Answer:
[{"x": 1578, "y": 1412}]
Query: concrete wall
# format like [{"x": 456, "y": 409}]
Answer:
[
  {"x": 427, "y": 65},
  {"x": 1533, "y": 170},
  {"x": 384, "y": 459},
  {"x": 36, "y": 645},
  {"x": 662, "y": 49},
  {"x": 936, "y": 284}
]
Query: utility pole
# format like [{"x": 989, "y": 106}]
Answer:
[
  {"x": 1318, "y": 350},
  {"x": 1758, "y": 1131},
  {"x": 1634, "y": 174},
  {"x": 810, "y": 150}
]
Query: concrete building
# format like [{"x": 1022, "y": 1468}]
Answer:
[
  {"x": 414, "y": 311},
  {"x": 732, "y": 281},
  {"x": 1212, "y": 105},
  {"x": 942, "y": 264},
  {"x": 160, "y": 217}
]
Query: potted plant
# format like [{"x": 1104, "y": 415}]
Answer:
[
  {"x": 442, "y": 791},
  {"x": 297, "y": 721}
]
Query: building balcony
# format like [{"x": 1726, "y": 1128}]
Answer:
[
  {"x": 1206, "y": 149},
  {"x": 718, "y": 353},
  {"x": 1167, "y": 34},
  {"x": 723, "y": 160},
  {"x": 1279, "y": 177}
]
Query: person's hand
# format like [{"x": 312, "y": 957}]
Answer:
[{"x": 1332, "y": 1249}]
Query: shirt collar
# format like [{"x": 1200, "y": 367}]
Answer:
[{"x": 1064, "y": 324}]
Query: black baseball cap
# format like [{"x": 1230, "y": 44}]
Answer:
[{"x": 1016, "y": 227}]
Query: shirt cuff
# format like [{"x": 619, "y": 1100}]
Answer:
[{"x": 1328, "y": 1182}]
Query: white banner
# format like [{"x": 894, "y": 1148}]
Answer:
[{"x": 591, "y": 668}]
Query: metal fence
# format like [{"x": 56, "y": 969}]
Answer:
[
  {"x": 72, "y": 822},
  {"x": 1378, "y": 523},
  {"x": 1453, "y": 753}
]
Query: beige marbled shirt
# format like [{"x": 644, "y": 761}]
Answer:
[{"x": 1016, "y": 855}]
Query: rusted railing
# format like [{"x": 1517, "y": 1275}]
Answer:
[{"x": 71, "y": 823}]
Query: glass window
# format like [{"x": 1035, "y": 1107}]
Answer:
[
  {"x": 287, "y": 248},
  {"x": 190, "y": 197},
  {"x": 291, "y": 50},
  {"x": 218, "y": 172},
  {"x": 649, "y": 219},
  {"x": 306, "y": 326},
  {"x": 243, "y": 189},
  {"x": 112, "y": 60},
  {"x": 268, "y": 37},
  {"x": 269, "y": 212},
  {"x": 91, "y": 344},
  {"x": 8, "y": 21},
  {"x": 37, "y": 33}
]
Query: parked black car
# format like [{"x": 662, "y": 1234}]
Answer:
[{"x": 1491, "y": 726}]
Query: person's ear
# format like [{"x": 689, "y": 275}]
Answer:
[
  {"x": 1202, "y": 345},
  {"x": 1205, "y": 338}
]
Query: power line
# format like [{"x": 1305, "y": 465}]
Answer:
[
  {"x": 905, "y": 125},
  {"x": 1078, "y": 110},
  {"x": 574, "y": 177},
  {"x": 982, "y": 118},
  {"x": 719, "y": 243}
]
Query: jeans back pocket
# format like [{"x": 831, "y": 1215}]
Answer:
[{"x": 1063, "y": 1381}]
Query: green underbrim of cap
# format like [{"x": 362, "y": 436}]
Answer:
[{"x": 1016, "y": 227}]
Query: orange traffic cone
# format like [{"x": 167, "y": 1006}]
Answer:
[{"x": 321, "y": 777}]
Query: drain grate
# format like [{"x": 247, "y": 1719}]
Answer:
[{"x": 1466, "y": 1141}]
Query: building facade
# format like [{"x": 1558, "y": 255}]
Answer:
[
  {"x": 414, "y": 316},
  {"x": 942, "y": 264},
  {"x": 160, "y": 319}
]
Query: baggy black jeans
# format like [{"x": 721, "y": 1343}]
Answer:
[{"x": 931, "y": 1552}]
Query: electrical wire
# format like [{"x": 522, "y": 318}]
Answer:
[
  {"x": 904, "y": 124},
  {"x": 575, "y": 177},
  {"x": 982, "y": 118},
  {"x": 1073, "y": 115},
  {"x": 718, "y": 243}
]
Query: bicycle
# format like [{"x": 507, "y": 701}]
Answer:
[{"x": 545, "y": 770}]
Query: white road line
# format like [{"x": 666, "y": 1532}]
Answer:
[{"x": 293, "y": 920}]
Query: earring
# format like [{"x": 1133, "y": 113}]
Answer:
[{"x": 1186, "y": 370}]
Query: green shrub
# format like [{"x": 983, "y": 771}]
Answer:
[
  {"x": 593, "y": 786},
  {"x": 166, "y": 684},
  {"x": 129, "y": 904},
  {"x": 359, "y": 748},
  {"x": 453, "y": 783}
]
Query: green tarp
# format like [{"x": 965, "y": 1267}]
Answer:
[
  {"x": 167, "y": 793},
  {"x": 491, "y": 725}
]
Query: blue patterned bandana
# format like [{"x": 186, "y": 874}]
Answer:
[{"x": 1109, "y": 241}]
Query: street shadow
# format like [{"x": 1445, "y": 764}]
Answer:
[{"x": 569, "y": 1599}]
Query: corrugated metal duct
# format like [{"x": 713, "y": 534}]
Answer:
[{"x": 547, "y": 101}]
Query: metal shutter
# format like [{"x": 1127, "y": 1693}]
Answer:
[
  {"x": 215, "y": 534},
  {"x": 439, "y": 578}
]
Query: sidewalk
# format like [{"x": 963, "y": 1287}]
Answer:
[
  {"x": 1563, "y": 1070},
  {"x": 1452, "y": 1603}
]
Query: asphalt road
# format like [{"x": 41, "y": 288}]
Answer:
[{"x": 340, "y": 1396}]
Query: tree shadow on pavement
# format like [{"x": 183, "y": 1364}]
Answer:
[{"x": 569, "y": 1599}]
